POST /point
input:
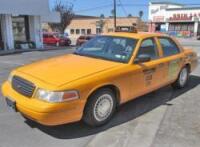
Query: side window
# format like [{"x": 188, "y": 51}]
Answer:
[
  {"x": 169, "y": 47},
  {"x": 149, "y": 47},
  {"x": 51, "y": 36}
]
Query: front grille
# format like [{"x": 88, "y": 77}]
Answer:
[{"x": 23, "y": 86}]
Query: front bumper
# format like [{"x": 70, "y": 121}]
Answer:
[{"x": 45, "y": 113}]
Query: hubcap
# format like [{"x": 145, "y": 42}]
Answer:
[
  {"x": 183, "y": 77},
  {"x": 103, "y": 107}
]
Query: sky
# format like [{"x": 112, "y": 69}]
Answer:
[{"x": 125, "y": 7}]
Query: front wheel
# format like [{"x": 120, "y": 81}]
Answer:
[
  {"x": 100, "y": 108},
  {"x": 183, "y": 78}
]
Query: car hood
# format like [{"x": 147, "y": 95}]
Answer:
[{"x": 64, "y": 69}]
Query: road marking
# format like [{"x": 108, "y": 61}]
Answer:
[{"x": 141, "y": 134}]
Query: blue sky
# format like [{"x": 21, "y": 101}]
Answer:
[{"x": 105, "y": 6}]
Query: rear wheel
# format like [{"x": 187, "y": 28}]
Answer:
[
  {"x": 183, "y": 79},
  {"x": 57, "y": 44},
  {"x": 100, "y": 107}
]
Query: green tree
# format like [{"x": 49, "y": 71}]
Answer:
[{"x": 141, "y": 13}]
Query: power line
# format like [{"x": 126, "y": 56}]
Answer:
[
  {"x": 125, "y": 5},
  {"x": 122, "y": 6},
  {"x": 94, "y": 8},
  {"x": 125, "y": 12}
]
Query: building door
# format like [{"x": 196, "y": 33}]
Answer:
[{"x": 21, "y": 28}]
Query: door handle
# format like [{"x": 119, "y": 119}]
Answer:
[{"x": 149, "y": 70}]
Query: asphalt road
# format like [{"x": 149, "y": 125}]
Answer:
[{"x": 165, "y": 118}]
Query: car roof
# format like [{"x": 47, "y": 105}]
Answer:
[{"x": 139, "y": 35}]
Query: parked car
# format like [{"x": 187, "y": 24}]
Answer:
[
  {"x": 56, "y": 39},
  {"x": 91, "y": 83},
  {"x": 83, "y": 39}
]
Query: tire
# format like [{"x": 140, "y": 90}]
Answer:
[
  {"x": 100, "y": 108},
  {"x": 183, "y": 79},
  {"x": 57, "y": 44}
]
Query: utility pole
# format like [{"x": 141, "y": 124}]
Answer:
[{"x": 115, "y": 15}]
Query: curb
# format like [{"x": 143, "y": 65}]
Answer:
[
  {"x": 132, "y": 133},
  {"x": 32, "y": 50}
]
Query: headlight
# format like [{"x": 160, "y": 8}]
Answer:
[
  {"x": 10, "y": 78},
  {"x": 52, "y": 96}
]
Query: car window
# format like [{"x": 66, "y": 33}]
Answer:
[
  {"x": 112, "y": 48},
  {"x": 51, "y": 36},
  {"x": 148, "y": 47},
  {"x": 82, "y": 37},
  {"x": 169, "y": 47}
]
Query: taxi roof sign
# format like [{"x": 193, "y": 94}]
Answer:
[{"x": 129, "y": 29}]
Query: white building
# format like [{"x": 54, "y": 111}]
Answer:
[
  {"x": 175, "y": 19},
  {"x": 21, "y": 20}
]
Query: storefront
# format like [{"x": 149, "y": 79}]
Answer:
[
  {"x": 21, "y": 23},
  {"x": 174, "y": 19}
]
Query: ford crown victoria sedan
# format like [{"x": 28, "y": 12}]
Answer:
[{"x": 89, "y": 84}]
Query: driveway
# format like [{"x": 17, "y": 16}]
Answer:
[{"x": 164, "y": 118}]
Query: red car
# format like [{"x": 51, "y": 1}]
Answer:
[
  {"x": 83, "y": 39},
  {"x": 56, "y": 39}
]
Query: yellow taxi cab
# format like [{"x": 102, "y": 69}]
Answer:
[{"x": 89, "y": 84}]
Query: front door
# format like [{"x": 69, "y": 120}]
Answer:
[{"x": 147, "y": 76}]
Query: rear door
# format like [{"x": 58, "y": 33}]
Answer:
[
  {"x": 149, "y": 75},
  {"x": 172, "y": 58}
]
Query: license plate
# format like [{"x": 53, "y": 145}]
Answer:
[{"x": 11, "y": 104}]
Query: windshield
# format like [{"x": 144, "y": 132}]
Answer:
[{"x": 117, "y": 49}]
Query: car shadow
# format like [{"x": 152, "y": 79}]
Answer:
[{"x": 125, "y": 113}]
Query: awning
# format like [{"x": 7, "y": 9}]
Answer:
[{"x": 29, "y": 7}]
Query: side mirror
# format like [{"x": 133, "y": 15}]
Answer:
[{"x": 142, "y": 58}]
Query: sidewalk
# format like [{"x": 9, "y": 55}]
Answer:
[{"x": 48, "y": 48}]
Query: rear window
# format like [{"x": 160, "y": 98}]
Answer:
[
  {"x": 169, "y": 47},
  {"x": 88, "y": 38}
]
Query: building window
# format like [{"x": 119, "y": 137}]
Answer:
[
  {"x": 171, "y": 27},
  {"x": 21, "y": 28},
  {"x": 182, "y": 27},
  {"x": 110, "y": 30},
  {"x": 72, "y": 31},
  {"x": 191, "y": 27},
  {"x": 98, "y": 31},
  {"x": 89, "y": 31},
  {"x": 77, "y": 31},
  {"x": 83, "y": 31},
  {"x": 178, "y": 27}
]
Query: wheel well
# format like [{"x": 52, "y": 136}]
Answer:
[{"x": 115, "y": 90}]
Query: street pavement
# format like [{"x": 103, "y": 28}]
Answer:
[{"x": 164, "y": 118}]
